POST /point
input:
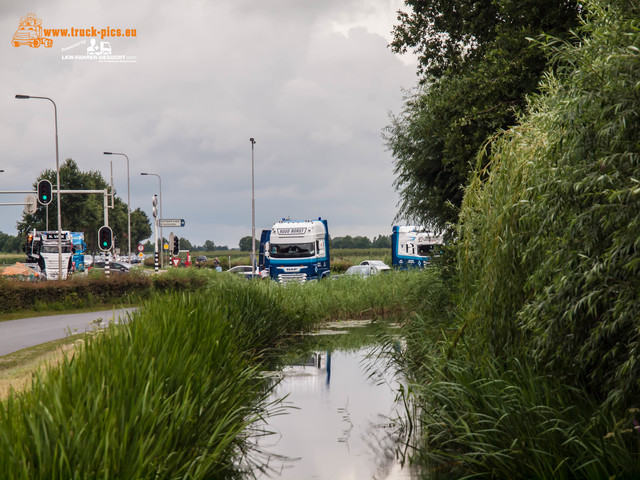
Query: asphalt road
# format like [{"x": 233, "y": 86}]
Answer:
[{"x": 27, "y": 332}]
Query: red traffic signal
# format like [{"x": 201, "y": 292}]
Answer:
[
  {"x": 105, "y": 238},
  {"x": 44, "y": 192},
  {"x": 176, "y": 245}
]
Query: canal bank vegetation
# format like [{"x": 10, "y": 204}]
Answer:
[
  {"x": 90, "y": 291},
  {"x": 526, "y": 365},
  {"x": 174, "y": 391}
]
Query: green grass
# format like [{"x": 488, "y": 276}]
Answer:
[{"x": 173, "y": 393}]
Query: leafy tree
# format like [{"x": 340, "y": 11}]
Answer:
[
  {"x": 140, "y": 227},
  {"x": 381, "y": 241},
  {"x": 85, "y": 212},
  {"x": 185, "y": 244},
  {"x": 246, "y": 245},
  {"x": 209, "y": 246},
  {"x": 360, "y": 242},
  {"x": 477, "y": 65},
  {"x": 10, "y": 244}
]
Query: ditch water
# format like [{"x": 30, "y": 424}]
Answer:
[{"x": 341, "y": 416}]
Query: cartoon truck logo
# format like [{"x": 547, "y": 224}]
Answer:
[
  {"x": 97, "y": 49},
  {"x": 30, "y": 33}
]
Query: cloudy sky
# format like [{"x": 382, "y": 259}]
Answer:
[{"x": 312, "y": 81}]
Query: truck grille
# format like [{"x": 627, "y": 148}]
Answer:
[{"x": 292, "y": 277}]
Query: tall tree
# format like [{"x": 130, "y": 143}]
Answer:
[
  {"x": 246, "y": 245},
  {"x": 477, "y": 65},
  {"x": 85, "y": 212}
]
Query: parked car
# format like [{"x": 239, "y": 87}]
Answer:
[
  {"x": 362, "y": 270},
  {"x": 243, "y": 270},
  {"x": 379, "y": 264},
  {"x": 114, "y": 267}
]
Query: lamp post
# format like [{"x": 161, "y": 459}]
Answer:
[
  {"x": 128, "y": 202},
  {"x": 253, "y": 215},
  {"x": 162, "y": 238},
  {"x": 55, "y": 113}
]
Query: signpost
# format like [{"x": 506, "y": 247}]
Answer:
[{"x": 171, "y": 222}]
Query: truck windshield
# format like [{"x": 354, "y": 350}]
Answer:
[
  {"x": 427, "y": 250},
  {"x": 54, "y": 249},
  {"x": 293, "y": 250}
]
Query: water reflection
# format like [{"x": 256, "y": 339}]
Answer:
[{"x": 341, "y": 426}]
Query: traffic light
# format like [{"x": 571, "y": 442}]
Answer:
[
  {"x": 176, "y": 245},
  {"x": 105, "y": 238},
  {"x": 44, "y": 192}
]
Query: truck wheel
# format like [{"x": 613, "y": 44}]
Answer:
[
  {"x": 35, "y": 43},
  {"x": 48, "y": 43}
]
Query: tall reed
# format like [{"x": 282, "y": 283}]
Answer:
[
  {"x": 170, "y": 394},
  {"x": 537, "y": 374}
]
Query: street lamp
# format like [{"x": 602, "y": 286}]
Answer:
[
  {"x": 253, "y": 215},
  {"x": 55, "y": 112},
  {"x": 128, "y": 201},
  {"x": 160, "y": 182}
]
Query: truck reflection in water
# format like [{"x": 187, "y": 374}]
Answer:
[{"x": 341, "y": 424}]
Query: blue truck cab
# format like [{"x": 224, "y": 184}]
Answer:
[
  {"x": 79, "y": 249},
  {"x": 414, "y": 247},
  {"x": 296, "y": 250}
]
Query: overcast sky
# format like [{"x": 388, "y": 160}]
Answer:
[{"x": 312, "y": 81}]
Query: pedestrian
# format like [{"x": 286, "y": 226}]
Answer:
[{"x": 216, "y": 264}]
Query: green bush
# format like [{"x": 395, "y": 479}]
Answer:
[{"x": 90, "y": 290}]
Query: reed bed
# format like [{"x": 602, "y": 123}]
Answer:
[
  {"x": 174, "y": 391},
  {"x": 524, "y": 363},
  {"x": 169, "y": 394}
]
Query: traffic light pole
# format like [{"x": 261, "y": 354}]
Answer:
[
  {"x": 105, "y": 192},
  {"x": 18, "y": 191}
]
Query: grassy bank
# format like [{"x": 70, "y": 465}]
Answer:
[{"x": 172, "y": 393}]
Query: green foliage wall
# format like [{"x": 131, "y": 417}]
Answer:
[{"x": 550, "y": 236}]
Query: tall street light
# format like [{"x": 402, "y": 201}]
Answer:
[
  {"x": 55, "y": 112},
  {"x": 128, "y": 201},
  {"x": 253, "y": 215},
  {"x": 162, "y": 249}
]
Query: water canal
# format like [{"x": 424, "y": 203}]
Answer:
[{"x": 341, "y": 415}]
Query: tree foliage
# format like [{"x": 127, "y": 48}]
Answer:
[
  {"x": 10, "y": 243},
  {"x": 360, "y": 242},
  {"x": 85, "y": 212},
  {"x": 478, "y": 65},
  {"x": 246, "y": 245}
]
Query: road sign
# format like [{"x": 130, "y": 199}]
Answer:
[
  {"x": 171, "y": 222},
  {"x": 141, "y": 255},
  {"x": 176, "y": 261},
  {"x": 141, "y": 248}
]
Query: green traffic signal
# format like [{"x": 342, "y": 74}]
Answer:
[
  {"x": 105, "y": 238},
  {"x": 44, "y": 192}
]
